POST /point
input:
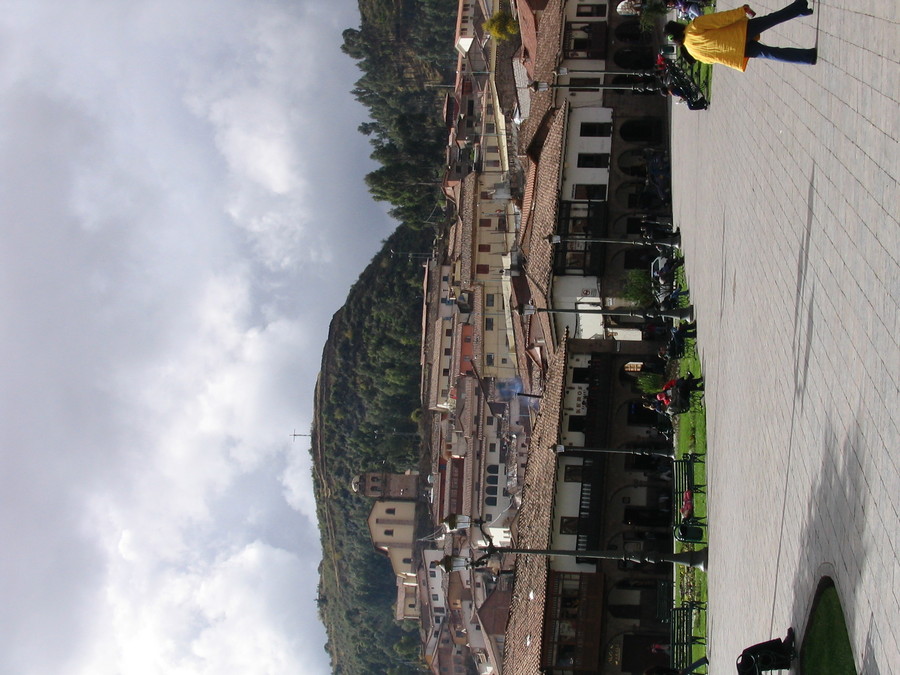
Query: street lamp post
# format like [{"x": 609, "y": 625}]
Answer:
[
  {"x": 680, "y": 313},
  {"x": 568, "y": 71},
  {"x": 697, "y": 559},
  {"x": 667, "y": 453},
  {"x": 636, "y": 86},
  {"x": 670, "y": 241}
]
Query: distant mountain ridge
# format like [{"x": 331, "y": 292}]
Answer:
[{"x": 368, "y": 386}]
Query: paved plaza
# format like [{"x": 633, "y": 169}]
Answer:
[{"x": 786, "y": 192}]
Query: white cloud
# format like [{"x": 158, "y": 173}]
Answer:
[{"x": 181, "y": 211}]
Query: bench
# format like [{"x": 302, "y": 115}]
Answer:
[
  {"x": 682, "y": 633},
  {"x": 664, "y": 591},
  {"x": 683, "y": 478}
]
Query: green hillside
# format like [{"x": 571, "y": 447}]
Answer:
[{"x": 368, "y": 388}]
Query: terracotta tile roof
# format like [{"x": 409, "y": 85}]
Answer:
[
  {"x": 529, "y": 370},
  {"x": 494, "y": 612},
  {"x": 546, "y": 58},
  {"x": 530, "y": 170},
  {"x": 528, "y": 33},
  {"x": 467, "y": 220},
  {"x": 541, "y": 222},
  {"x": 524, "y": 630}
]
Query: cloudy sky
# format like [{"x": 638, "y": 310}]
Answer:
[{"x": 181, "y": 211}]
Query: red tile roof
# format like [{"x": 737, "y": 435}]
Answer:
[{"x": 525, "y": 627}]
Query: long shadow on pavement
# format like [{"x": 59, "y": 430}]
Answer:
[{"x": 834, "y": 507}]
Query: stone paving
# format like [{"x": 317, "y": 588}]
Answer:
[{"x": 786, "y": 192}]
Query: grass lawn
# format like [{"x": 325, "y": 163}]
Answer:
[
  {"x": 826, "y": 646},
  {"x": 691, "y": 584}
]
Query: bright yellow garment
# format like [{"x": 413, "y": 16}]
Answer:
[{"x": 719, "y": 38}]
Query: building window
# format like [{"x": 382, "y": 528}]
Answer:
[
  {"x": 590, "y": 10},
  {"x": 448, "y": 332},
  {"x": 489, "y": 359},
  {"x": 484, "y": 248},
  {"x": 434, "y": 597},
  {"x": 577, "y": 423},
  {"x": 568, "y": 525},
  {"x": 489, "y": 300},
  {"x": 492, "y": 480},
  {"x": 484, "y": 222},
  {"x": 489, "y": 324},
  {"x": 489, "y": 421},
  {"x": 391, "y": 511},
  {"x": 490, "y": 501},
  {"x": 388, "y": 533},
  {"x": 407, "y": 561},
  {"x": 593, "y": 160},
  {"x": 482, "y": 269},
  {"x": 596, "y": 129},
  {"x": 493, "y": 469},
  {"x": 492, "y": 447},
  {"x": 432, "y": 574},
  {"x": 596, "y": 192},
  {"x": 585, "y": 40},
  {"x": 573, "y": 474},
  {"x": 581, "y": 375}
]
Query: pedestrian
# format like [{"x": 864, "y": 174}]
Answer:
[
  {"x": 689, "y": 383},
  {"x": 732, "y": 37},
  {"x": 685, "y": 330},
  {"x": 774, "y": 654}
]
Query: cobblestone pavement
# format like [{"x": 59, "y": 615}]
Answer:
[{"x": 786, "y": 192}]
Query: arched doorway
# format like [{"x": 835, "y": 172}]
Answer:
[
  {"x": 630, "y": 32},
  {"x": 647, "y": 130},
  {"x": 633, "y": 163},
  {"x": 634, "y": 58}
]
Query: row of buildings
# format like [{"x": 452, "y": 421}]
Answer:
[{"x": 546, "y": 167}]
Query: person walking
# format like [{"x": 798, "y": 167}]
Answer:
[{"x": 731, "y": 38}]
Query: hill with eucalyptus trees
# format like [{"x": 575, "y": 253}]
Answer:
[{"x": 368, "y": 389}]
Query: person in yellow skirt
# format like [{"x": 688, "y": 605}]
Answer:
[{"x": 732, "y": 37}]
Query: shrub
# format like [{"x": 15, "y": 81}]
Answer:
[
  {"x": 638, "y": 287},
  {"x": 650, "y": 383},
  {"x": 501, "y": 26}
]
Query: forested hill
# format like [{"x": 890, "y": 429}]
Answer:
[{"x": 368, "y": 389}]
